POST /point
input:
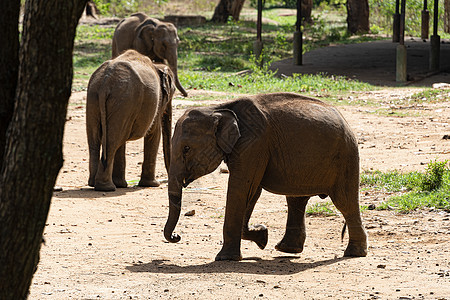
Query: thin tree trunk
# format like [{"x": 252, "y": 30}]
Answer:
[
  {"x": 358, "y": 16},
  {"x": 9, "y": 56},
  {"x": 226, "y": 8},
  {"x": 33, "y": 156}
]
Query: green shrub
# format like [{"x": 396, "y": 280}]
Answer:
[{"x": 432, "y": 180}]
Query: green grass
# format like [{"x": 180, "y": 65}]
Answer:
[
  {"x": 92, "y": 48},
  {"x": 415, "y": 190},
  {"x": 211, "y": 54},
  {"x": 321, "y": 209}
]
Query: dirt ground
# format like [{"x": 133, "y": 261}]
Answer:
[{"x": 110, "y": 245}]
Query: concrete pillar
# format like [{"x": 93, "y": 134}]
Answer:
[
  {"x": 401, "y": 75},
  {"x": 435, "y": 50},
  {"x": 257, "y": 49}
]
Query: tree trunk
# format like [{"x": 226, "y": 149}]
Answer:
[
  {"x": 447, "y": 16},
  {"x": 227, "y": 8},
  {"x": 358, "y": 16},
  {"x": 9, "y": 56},
  {"x": 33, "y": 156}
]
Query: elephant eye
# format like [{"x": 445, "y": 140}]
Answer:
[{"x": 186, "y": 149}]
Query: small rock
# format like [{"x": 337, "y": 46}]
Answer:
[
  {"x": 371, "y": 207},
  {"x": 57, "y": 189},
  {"x": 190, "y": 213},
  {"x": 446, "y": 137},
  {"x": 381, "y": 266}
]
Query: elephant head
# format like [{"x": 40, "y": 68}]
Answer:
[
  {"x": 201, "y": 140},
  {"x": 159, "y": 41}
]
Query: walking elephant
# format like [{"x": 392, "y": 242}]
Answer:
[
  {"x": 156, "y": 39},
  {"x": 284, "y": 143},
  {"x": 128, "y": 97}
]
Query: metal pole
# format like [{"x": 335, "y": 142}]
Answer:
[
  {"x": 258, "y": 45},
  {"x": 435, "y": 40},
  {"x": 396, "y": 23},
  {"x": 298, "y": 36}
]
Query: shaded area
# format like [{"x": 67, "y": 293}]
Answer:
[
  {"x": 281, "y": 265},
  {"x": 372, "y": 62}
]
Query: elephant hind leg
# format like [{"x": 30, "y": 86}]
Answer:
[
  {"x": 295, "y": 235},
  {"x": 346, "y": 201},
  {"x": 257, "y": 233},
  {"x": 118, "y": 175},
  {"x": 94, "y": 141},
  {"x": 151, "y": 144}
]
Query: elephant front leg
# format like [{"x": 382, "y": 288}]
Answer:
[
  {"x": 239, "y": 204},
  {"x": 257, "y": 233},
  {"x": 295, "y": 235},
  {"x": 151, "y": 144}
]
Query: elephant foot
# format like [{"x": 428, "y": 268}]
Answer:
[
  {"x": 120, "y": 183},
  {"x": 91, "y": 182},
  {"x": 257, "y": 234},
  {"x": 356, "y": 250},
  {"x": 289, "y": 247},
  {"x": 228, "y": 255},
  {"x": 105, "y": 187},
  {"x": 149, "y": 183}
]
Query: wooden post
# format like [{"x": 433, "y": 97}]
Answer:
[
  {"x": 401, "y": 75},
  {"x": 435, "y": 40},
  {"x": 298, "y": 36},
  {"x": 425, "y": 21}
]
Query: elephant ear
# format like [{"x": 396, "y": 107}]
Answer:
[
  {"x": 144, "y": 38},
  {"x": 166, "y": 81},
  {"x": 227, "y": 131}
]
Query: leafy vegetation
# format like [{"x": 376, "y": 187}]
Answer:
[{"x": 418, "y": 190}]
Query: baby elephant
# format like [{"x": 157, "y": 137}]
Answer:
[
  {"x": 128, "y": 97},
  {"x": 284, "y": 143}
]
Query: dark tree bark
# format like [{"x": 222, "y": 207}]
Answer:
[
  {"x": 227, "y": 8},
  {"x": 33, "y": 155},
  {"x": 358, "y": 16},
  {"x": 9, "y": 56}
]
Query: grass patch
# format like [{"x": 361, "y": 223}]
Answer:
[
  {"x": 210, "y": 55},
  {"x": 417, "y": 190},
  {"x": 321, "y": 209}
]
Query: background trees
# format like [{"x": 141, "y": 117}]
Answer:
[{"x": 35, "y": 88}]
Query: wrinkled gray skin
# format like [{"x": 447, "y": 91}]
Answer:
[
  {"x": 156, "y": 39},
  {"x": 128, "y": 97},
  {"x": 284, "y": 143}
]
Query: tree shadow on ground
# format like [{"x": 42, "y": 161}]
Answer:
[{"x": 281, "y": 265}]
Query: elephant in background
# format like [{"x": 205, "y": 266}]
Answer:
[
  {"x": 128, "y": 97},
  {"x": 151, "y": 37},
  {"x": 284, "y": 143}
]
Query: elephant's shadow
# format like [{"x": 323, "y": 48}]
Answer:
[
  {"x": 280, "y": 265},
  {"x": 89, "y": 192}
]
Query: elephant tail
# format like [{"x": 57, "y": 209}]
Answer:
[
  {"x": 103, "y": 96},
  {"x": 343, "y": 231}
]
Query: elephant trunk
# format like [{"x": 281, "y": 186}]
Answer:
[
  {"x": 172, "y": 62},
  {"x": 166, "y": 133},
  {"x": 174, "y": 210}
]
